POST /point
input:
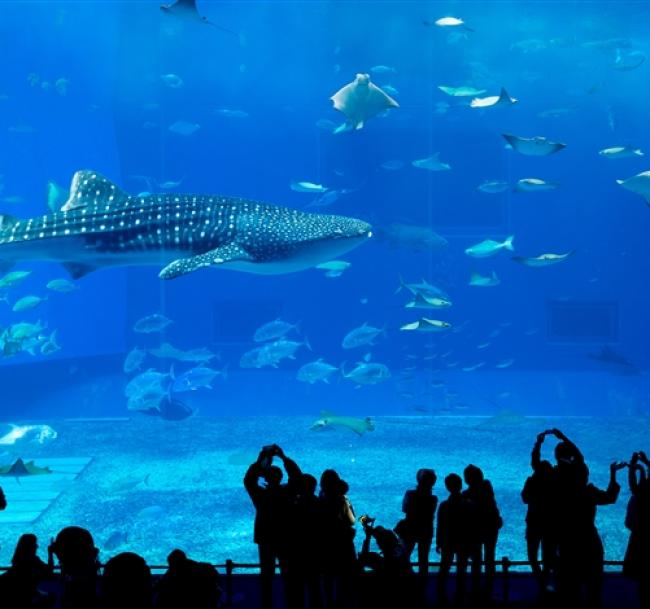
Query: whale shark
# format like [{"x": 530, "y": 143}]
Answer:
[{"x": 100, "y": 225}]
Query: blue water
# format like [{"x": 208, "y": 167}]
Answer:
[{"x": 111, "y": 113}]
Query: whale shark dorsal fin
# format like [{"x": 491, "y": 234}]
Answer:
[
  {"x": 220, "y": 255},
  {"x": 91, "y": 188},
  {"x": 7, "y": 222}
]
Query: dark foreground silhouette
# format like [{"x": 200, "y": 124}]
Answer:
[{"x": 310, "y": 534}]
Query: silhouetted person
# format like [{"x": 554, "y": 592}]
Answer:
[
  {"x": 570, "y": 469},
  {"x": 3, "y": 500},
  {"x": 580, "y": 549},
  {"x": 172, "y": 589},
  {"x": 19, "y": 586},
  {"x": 306, "y": 545},
  {"x": 75, "y": 549},
  {"x": 419, "y": 506},
  {"x": 126, "y": 583},
  {"x": 537, "y": 494},
  {"x": 273, "y": 507},
  {"x": 636, "y": 564},
  {"x": 187, "y": 583},
  {"x": 453, "y": 538},
  {"x": 339, "y": 562},
  {"x": 487, "y": 522},
  {"x": 390, "y": 586}
]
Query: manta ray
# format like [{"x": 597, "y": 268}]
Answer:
[
  {"x": 533, "y": 146},
  {"x": 186, "y": 9},
  {"x": 20, "y": 469},
  {"x": 361, "y": 100},
  {"x": 503, "y": 99},
  {"x": 329, "y": 421},
  {"x": 543, "y": 259},
  {"x": 639, "y": 184},
  {"x": 101, "y": 225}
]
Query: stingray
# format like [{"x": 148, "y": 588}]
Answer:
[
  {"x": 187, "y": 10},
  {"x": 20, "y": 469},
  {"x": 170, "y": 409},
  {"x": 639, "y": 184},
  {"x": 533, "y": 146},
  {"x": 361, "y": 100},
  {"x": 503, "y": 99},
  {"x": 543, "y": 259}
]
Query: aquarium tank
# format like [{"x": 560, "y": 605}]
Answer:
[{"x": 383, "y": 235}]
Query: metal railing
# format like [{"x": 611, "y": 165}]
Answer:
[{"x": 504, "y": 572}]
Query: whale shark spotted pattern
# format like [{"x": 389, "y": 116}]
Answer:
[{"x": 100, "y": 225}]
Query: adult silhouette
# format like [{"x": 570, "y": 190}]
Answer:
[
  {"x": 187, "y": 583},
  {"x": 419, "y": 507},
  {"x": 77, "y": 555},
  {"x": 126, "y": 583},
  {"x": 636, "y": 564},
  {"x": 339, "y": 555},
  {"x": 306, "y": 544},
  {"x": 20, "y": 585},
  {"x": 487, "y": 522},
  {"x": 580, "y": 549},
  {"x": 454, "y": 536},
  {"x": 537, "y": 494},
  {"x": 273, "y": 503}
]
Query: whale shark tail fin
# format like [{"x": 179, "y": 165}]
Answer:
[{"x": 7, "y": 224}]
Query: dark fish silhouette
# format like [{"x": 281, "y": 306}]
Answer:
[
  {"x": 608, "y": 356},
  {"x": 170, "y": 409}
]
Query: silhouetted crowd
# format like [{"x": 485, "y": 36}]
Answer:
[
  {"x": 307, "y": 528},
  {"x": 126, "y": 582},
  {"x": 311, "y": 535}
]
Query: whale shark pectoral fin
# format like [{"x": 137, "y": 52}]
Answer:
[
  {"x": 90, "y": 188},
  {"x": 76, "y": 270},
  {"x": 220, "y": 255}
]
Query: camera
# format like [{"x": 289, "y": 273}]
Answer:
[{"x": 366, "y": 521}]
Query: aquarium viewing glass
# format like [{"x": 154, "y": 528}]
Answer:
[{"x": 451, "y": 256}]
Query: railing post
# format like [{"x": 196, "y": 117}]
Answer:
[
  {"x": 230, "y": 567},
  {"x": 505, "y": 564}
]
